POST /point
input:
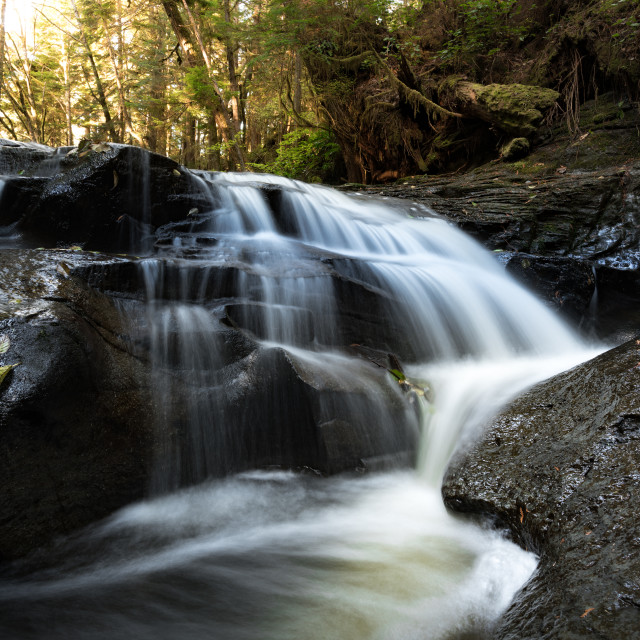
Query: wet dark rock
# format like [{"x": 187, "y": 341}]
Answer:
[
  {"x": 23, "y": 194},
  {"x": 618, "y": 308},
  {"x": 591, "y": 216},
  {"x": 259, "y": 319},
  {"x": 111, "y": 199},
  {"x": 289, "y": 411},
  {"x": 23, "y": 157},
  {"x": 74, "y": 428},
  {"x": 80, "y": 430},
  {"x": 559, "y": 468},
  {"x": 360, "y": 315},
  {"x": 565, "y": 284}
]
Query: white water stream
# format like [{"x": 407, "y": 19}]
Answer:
[{"x": 283, "y": 555}]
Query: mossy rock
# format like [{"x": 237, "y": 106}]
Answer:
[
  {"x": 516, "y": 109},
  {"x": 519, "y": 109},
  {"x": 515, "y": 149}
]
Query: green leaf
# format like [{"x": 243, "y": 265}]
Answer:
[
  {"x": 398, "y": 375},
  {"x": 5, "y": 343},
  {"x": 4, "y": 371}
]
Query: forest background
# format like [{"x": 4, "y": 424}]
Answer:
[{"x": 322, "y": 90}]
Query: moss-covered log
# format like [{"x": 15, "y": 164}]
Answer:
[{"x": 517, "y": 109}]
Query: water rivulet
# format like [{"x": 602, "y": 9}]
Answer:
[{"x": 406, "y": 337}]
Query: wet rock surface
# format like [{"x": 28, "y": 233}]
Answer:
[
  {"x": 112, "y": 198},
  {"x": 560, "y": 469},
  {"x": 567, "y": 285},
  {"x": 74, "y": 433},
  {"x": 23, "y": 157}
]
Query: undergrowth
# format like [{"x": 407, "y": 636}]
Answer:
[{"x": 304, "y": 154}]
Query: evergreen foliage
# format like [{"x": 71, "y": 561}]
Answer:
[{"x": 212, "y": 83}]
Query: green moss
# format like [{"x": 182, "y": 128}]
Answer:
[
  {"x": 515, "y": 149},
  {"x": 519, "y": 107},
  {"x": 531, "y": 168},
  {"x": 596, "y": 113}
]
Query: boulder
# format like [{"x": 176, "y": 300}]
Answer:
[
  {"x": 517, "y": 109},
  {"x": 331, "y": 414},
  {"x": 515, "y": 149},
  {"x": 23, "y": 157},
  {"x": 107, "y": 197},
  {"x": 577, "y": 195},
  {"x": 559, "y": 469}
]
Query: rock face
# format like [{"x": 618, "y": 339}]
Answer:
[
  {"x": 567, "y": 285},
  {"x": 108, "y": 197},
  {"x": 76, "y": 414},
  {"x": 559, "y": 468},
  {"x": 17, "y": 157},
  {"x": 75, "y": 437}
]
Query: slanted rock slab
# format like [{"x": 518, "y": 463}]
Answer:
[{"x": 560, "y": 468}]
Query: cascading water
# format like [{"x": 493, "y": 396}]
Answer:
[{"x": 278, "y": 554}]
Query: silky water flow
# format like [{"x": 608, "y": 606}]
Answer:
[{"x": 277, "y": 554}]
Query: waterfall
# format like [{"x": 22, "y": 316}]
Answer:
[
  {"x": 294, "y": 259},
  {"x": 327, "y": 286}
]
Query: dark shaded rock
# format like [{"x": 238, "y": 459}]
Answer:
[
  {"x": 23, "y": 157},
  {"x": 617, "y": 304},
  {"x": 112, "y": 199},
  {"x": 274, "y": 407},
  {"x": 565, "y": 284},
  {"x": 266, "y": 322},
  {"x": 585, "y": 214},
  {"x": 74, "y": 417},
  {"x": 94, "y": 415},
  {"x": 20, "y": 194},
  {"x": 560, "y": 469},
  {"x": 172, "y": 279},
  {"x": 293, "y": 412},
  {"x": 361, "y": 315}
]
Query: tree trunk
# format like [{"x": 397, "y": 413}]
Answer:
[
  {"x": 126, "y": 124},
  {"x": 213, "y": 152},
  {"x": 297, "y": 83},
  {"x": 65, "y": 64},
  {"x": 355, "y": 171},
  {"x": 101, "y": 96},
  {"x": 189, "y": 142},
  {"x": 156, "y": 121},
  {"x": 230, "y": 50},
  {"x": 197, "y": 56},
  {"x": 3, "y": 11}
]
